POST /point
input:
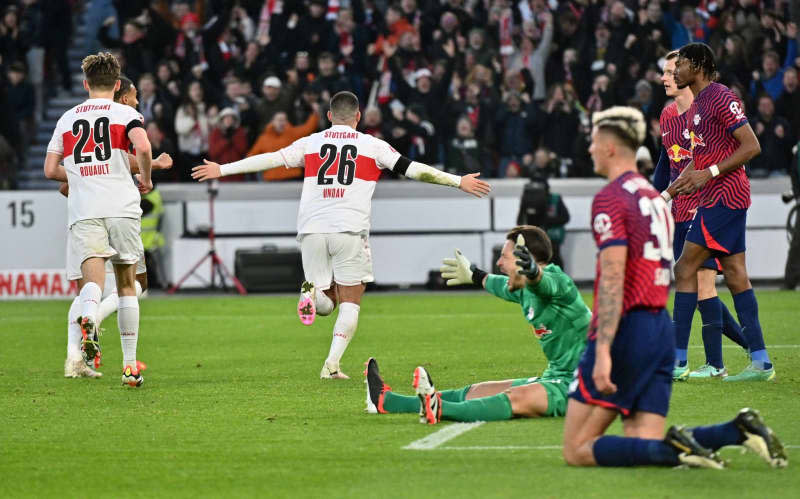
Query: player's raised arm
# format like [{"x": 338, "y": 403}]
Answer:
[
  {"x": 290, "y": 156},
  {"x": 469, "y": 183},
  {"x": 162, "y": 162},
  {"x": 457, "y": 271},
  {"x": 144, "y": 158}
]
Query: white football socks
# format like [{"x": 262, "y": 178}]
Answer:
[
  {"x": 110, "y": 303},
  {"x": 322, "y": 303},
  {"x": 74, "y": 335},
  {"x": 343, "y": 332},
  {"x": 107, "y": 307},
  {"x": 90, "y": 300},
  {"x": 128, "y": 322}
]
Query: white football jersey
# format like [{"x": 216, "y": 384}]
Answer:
[
  {"x": 342, "y": 167},
  {"x": 93, "y": 139}
]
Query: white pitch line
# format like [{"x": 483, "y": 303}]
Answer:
[
  {"x": 502, "y": 447},
  {"x": 436, "y": 439},
  {"x": 528, "y": 447}
]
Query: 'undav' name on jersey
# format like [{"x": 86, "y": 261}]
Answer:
[{"x": 333, "y": 192}]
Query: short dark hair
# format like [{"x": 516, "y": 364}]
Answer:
[
  {"x": 701, "y": 57},
  {"x": 125, "y": 84},
  {"x": 344, "y": 105},
  {"x": 101, "y": 70},
  {"x": 536, "y": 241},
  {"x": 672, "y": 54}
]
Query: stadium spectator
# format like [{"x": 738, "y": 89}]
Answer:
[
  {"x": 788, "y": 104},
  {"x": 558, "y": 121},
  {"x": 275, "y": 100},
  {"x": 464, "y": 154},
  {"x": 451, "y": 57},
  {"x": 775, "y": 136},
  {"x": 513, "y": 140},
  {"x": 280, "y": 133},
  {"x": 228, "y": 141},
  {"x": 160, "y": 143},
  {"x": 22, "y": 103},
  {"x": 192, "y": 125},
  {"x": 136, "y": 46},
  {"x": 770, "y": 78}
]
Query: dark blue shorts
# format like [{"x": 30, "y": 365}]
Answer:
[
  {"x": 681, "y": 229},
  {"x": 719, "y": 229},
  {"x": 642, "y": 359}
]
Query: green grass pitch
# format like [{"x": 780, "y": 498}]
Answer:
[{"x": 232, "y": 406}]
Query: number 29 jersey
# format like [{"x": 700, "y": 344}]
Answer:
[
  {"x": 630, "y": 212},
  {"x": 342, "y": 167},
  {"x": 93, "y": 139}
]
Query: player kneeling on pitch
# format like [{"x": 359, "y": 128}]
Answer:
[
  {"x": 626, "y": 368},
  {"x": 558, "y": 319}
]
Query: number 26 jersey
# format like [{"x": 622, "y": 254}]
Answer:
[
  {"x": 342, "y": 167},
  {"x": 93, "y": 139},
  {"x": 630, "y": 212}
]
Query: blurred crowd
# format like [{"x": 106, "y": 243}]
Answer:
[{"x": 501, "y": 87}]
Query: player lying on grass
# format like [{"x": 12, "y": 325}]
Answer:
[
  {"x": 342, "y": 167},
  {"x": 126, "y": 94},
  {"x": 626, "y": 368},
  {"x": 676, "y": 155},
  {"x": 558, "y": 318}
]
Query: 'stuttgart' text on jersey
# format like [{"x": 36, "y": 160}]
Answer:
[
  {"x": 93, "y": 139},
  {"x": 342, "y": 167}
]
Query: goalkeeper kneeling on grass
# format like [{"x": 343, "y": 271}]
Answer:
[{"x": 558, "y": 319}]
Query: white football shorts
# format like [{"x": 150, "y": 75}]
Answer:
[
  {"x": 343, "y": 257},
  {"x": 118, "y": 239}
]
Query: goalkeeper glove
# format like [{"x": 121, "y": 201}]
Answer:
[
  {"x": 526, "y": 263},
  {"x": 458, "y": 271}
]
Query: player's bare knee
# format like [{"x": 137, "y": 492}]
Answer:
[
  {"x": 524, "y": 403},
  {"x": 577, "y": 453},
  {"x": 684, "y": 271},
  {"x": 706, "y": 284}
]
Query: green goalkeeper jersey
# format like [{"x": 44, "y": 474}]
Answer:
[{"x": 557, "y": 315}]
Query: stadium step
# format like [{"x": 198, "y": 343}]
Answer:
[
  {"x": 65, "y": 102},
  {"x": 38, "y": 150},
  {"x": 31, "y": 175},
  {"x": 35, "y": 164}
]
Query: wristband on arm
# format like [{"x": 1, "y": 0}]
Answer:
[{"x": 478, "y": 275}]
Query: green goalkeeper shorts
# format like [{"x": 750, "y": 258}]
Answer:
[{"x": 556, "y": 389}]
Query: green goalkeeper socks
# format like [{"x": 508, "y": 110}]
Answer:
[
  {"x": 393, "y": 402},
  {"x": 494, "y": 408},
  {"x": 458, "y": 395}
]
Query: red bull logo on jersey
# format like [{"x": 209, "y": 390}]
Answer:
[
  {"x": 677, "y": 153},
  {"x": 696, "y": 140},
  {"x": 541, "y": 331}
]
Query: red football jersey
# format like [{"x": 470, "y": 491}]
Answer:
[
  {"x": 629, "y": 211},
  {"x": 711, "y": 120},
  {"x": 675, "y": 137}
]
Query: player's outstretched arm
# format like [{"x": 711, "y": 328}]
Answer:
[
  {"x": 53, "y": 169},
  {"x": 210, "y": 170},
  {"x": 469, "y": 183},
  {"x": 458, "y": 271},
  {"x": 162, "y": 162},
  {"x": 609, "y": 310}
]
